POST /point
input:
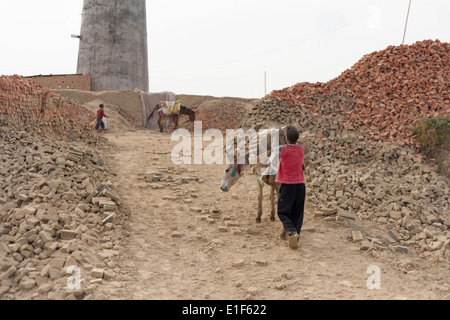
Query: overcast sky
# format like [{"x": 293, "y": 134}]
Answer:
[{"x": 224, "y": 47}]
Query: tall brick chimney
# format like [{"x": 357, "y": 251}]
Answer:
[{"x": 113, "y": 45}]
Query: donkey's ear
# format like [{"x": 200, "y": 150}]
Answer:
[
  {"x": 229, "y": 157},
  {"x": 283, "y": 132}
]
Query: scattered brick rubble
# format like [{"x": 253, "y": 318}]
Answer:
[
  {"x": 59, "y": 215},
  {"x": 352, "y": 179},
  {"x": 363, "y": 164}
]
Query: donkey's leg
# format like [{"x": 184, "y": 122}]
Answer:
[
  {"x": 260, "y": 200},
  {"x": 161, "y": 128},
  {"x": 175, "y": 121},
  {"x": 272, "y": 201},
  {"x": 276, "y": 187}
]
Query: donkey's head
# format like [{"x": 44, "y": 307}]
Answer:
[
  {"x": 235, "y": 168},
  {"x": 189, "y": 112},
  {"x": 191, "y": 115},
  {"x": 231, "y": 175}
]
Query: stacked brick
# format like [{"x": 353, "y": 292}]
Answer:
[
  {"x": 391, "y": 90},
  {"x": 26, "y": 102},
  {"x": 21, "y": 100}
]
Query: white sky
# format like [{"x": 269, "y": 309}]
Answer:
[{"x": 223, "y": 48}]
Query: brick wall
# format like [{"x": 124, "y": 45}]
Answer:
[
  {"x": 21, "y": 99},
  {"x": 69, "y": 81}
]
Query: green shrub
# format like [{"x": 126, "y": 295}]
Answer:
[{"x": 434, "y": 137}]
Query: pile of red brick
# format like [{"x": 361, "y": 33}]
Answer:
[
  {"x": 25, "y": 101},
  {"x": 391, "y": 90},
  {"x": 22, "y": 100},
  {"x": 220, "y": 114}
]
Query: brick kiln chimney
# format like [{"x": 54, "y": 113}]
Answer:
[{"x": 113, "y": 45}]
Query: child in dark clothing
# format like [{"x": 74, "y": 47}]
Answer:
[{"x": 291, "y": 201}]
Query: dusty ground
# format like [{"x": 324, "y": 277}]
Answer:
[{"x": 173, "y": 251}]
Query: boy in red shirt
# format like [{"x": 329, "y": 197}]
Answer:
[
  {"x": 100, "y": 115},
  {"x": 291, "y": 201}
]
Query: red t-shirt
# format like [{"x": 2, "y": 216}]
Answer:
[
  {"x": 291, "y": 160},
  {"x": 100, "y": 113}
]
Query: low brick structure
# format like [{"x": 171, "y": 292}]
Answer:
[
  {"x": 66, "y": 81},
  {"x": 21, "y": 99}
]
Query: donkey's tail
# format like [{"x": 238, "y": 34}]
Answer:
[{"x": 151, "y": 114}]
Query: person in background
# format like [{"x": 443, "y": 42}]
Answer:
[{"x": 100, "y": 115}]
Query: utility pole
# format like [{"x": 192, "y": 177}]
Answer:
[{"x": 406, "y": 24}]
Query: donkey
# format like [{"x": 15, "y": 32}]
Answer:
[
  {"x": 235, "y": 171},
  {"x": 174, "y": 115}
]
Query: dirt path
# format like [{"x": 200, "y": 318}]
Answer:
[{"x": 175, "y": 250}]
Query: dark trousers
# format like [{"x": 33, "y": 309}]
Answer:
[
  {"x": 291, "y": 207},
  {"x": 100, "y": 124}
]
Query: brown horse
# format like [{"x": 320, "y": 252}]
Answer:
[{"x": 174, "y": 116}]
